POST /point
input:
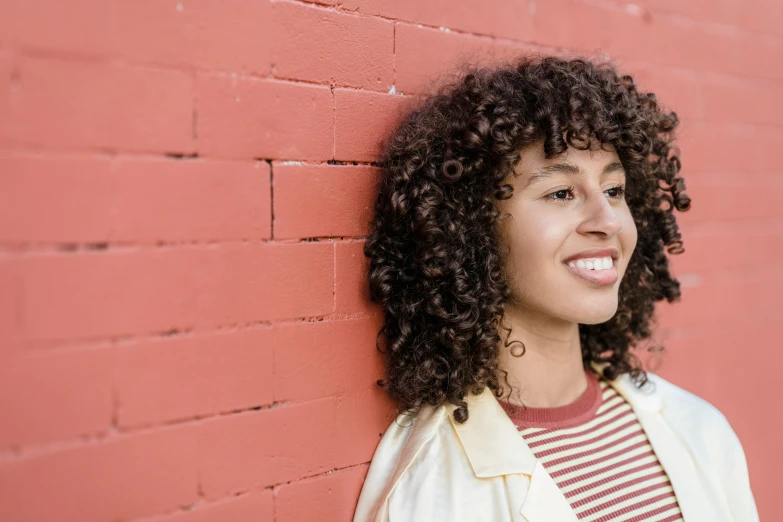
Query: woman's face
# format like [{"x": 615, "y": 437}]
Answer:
[{"x": 570, "y": 236}]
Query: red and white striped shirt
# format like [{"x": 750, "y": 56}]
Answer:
[{"x": 599, "y": 456}]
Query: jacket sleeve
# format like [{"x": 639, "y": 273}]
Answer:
[{"x": 735, "y": 477}]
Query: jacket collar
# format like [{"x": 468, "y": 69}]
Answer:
[{"x": 492, "y": 442}]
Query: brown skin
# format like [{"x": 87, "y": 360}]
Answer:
[{"x": 548, "y": 223}]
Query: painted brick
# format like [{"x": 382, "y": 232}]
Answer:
[
  {"x": 92, "y": 199},
  {"x": 330, "y": 497},
  {"x": 352, "y": 279},
  {"x": 66, "y": 394},
  {"x": 11, "y": 340},
  {"x": 323, "y": 200},
  {"x": 169, "y": 200},
  {"x": 290, "y": 442},
  {"x": 133, "y": 292},
  {"x": 363, "y": 120},
  {"x": 120, "y": 478},
  {"x": 722, "y": 196},
  {"x": 78, "y": 26},
  {"x": 740, "y": 244},
  {"x": 248, "y": 507},
  {"x": 55, "y": 199},
  {"x": 705, "y": 144},
  {"x": 711, "y": 299},
  {"x": 325, "y": 46},
  {"x": 195, "y": 375},
  {"x": 506, "y": 19},
  {"x": 240, "y": 117},
  {"x": 426, "y": 57},
  {"x": 96, "y": 105},
  {"x": 232, "y": 35},
  {"x": 7, "y": 84},
  {"x": 331, "y": 350}
]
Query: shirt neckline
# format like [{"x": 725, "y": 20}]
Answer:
[{"x": 579, "y": 411}]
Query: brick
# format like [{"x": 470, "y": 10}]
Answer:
[
  {"x": 712, "y": 96},
  {"x": 361, "y": 419},
  {"x": 681, "y": 90},
  {"x": 352, "y": 286},
  {"x": 710, "y": 350},
  {"x": 552, "y": 22},
  {"x": 78, "y": 26},
  {"x": 329, "y": 497},
  {"x": 233, "y": 35},
  {"x": 742, "y": 100},
  {"x": 55, "y": 199},
  {"x": 268, "y": 447},
  {"x": 242, "y": 117},
  {"x": 726, "y": 245},
  {"x": 92, "y": 199},
  {"x": 630, "y": 32},
  {"x": 714, "y": 298},
  {"x": 248, "y": 507},
  {"x": 100, "y": 294},
  {"x": 363, "y": 120},
  {"x": 162, "y": 199},
  {"x": 729, "y": 196},
  {"x": 7, "y": 83},
  {"x": 50, "y": 396},
  {"x": 332, "y": 350},
  {"x": 425, "y": 57},
  {"x": 329, "y": 47},
  {"x": 121, "y": 478},
  {"x": 10, "y": 309},
  {"x": 323, "y": 200},
  {"x": 507, "y": 18},
  {"x": 702, "y": 145},
  {"x": 100, "y": 105},
  {"x": 196, "y": 375}
]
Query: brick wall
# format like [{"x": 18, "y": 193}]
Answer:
[{"x": 185, "y": 334}]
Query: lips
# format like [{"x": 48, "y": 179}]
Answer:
[
  {"x": 599, "y": 277},
  {"x": 594, "y": 252}
]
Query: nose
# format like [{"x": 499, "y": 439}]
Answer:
[{"x": 600, "y": 216}]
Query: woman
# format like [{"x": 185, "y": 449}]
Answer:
[{"x": 537, "y": 198}]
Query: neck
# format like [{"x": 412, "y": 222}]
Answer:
[{"x": 550, "y": 373}]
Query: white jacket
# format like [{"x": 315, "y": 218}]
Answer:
[{"x": 436, "y": 469}]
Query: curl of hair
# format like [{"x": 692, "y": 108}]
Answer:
[{"x": 433, "y": 251}]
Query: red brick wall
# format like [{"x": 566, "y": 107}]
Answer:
[{"x": 185, "y": 333}]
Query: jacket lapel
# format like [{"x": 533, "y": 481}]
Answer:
[
  {"x": 689, "y": 486},
  {"x": 494, "y": 447}
]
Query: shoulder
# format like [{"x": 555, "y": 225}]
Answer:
[
  {"x": 687, "y": 410},
  {"x": 699, "y": 424},
  {"x": 409, "y": 440},
  {"x": 711, "y": 440}
]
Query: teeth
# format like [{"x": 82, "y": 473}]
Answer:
[{"x": 596, "y": 263}]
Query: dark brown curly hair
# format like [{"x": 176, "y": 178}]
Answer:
[{"x": 433, "y": 248}]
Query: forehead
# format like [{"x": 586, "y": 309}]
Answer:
[
  {"x": 534, "y": 165},
  {"x": 534, "y": 153}
]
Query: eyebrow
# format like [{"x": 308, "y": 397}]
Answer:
[{"x": 567, "y": 168}]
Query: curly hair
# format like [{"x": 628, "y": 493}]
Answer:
[{"x": 433, "y": 247}]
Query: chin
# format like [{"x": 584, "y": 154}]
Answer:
[{"x": 597, "y": 315}]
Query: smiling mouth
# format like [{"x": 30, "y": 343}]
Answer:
[{"x": 599, "y": 271}]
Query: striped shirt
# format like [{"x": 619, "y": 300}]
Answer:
[{"x": 597, "y": 453}]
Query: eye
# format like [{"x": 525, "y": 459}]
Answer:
[
  {"x": 619, "y": 192},
  {"x": 556, "y": 196}
]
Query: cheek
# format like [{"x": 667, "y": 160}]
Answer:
[
  {"x": 536, "y": 239},
  {"x": 628, "y": 235}
]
